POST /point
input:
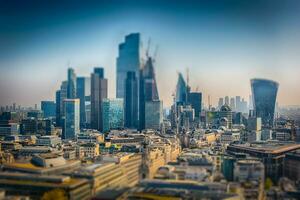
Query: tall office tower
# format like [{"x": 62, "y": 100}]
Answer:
[
  {"x": 83, "y": 91},
  {"x": 112, "y": 114},
  {"x": 227, "y": 100},
  {"x": 57, "y": 116},
  {"x": 98, "y": 93},
  {"x": 264, "y": 94},
  {"x": 48, "y": 108},
  {"x": 238, "y": 103},
  {"x": 153, "y": 115},
  {"x": 250, "y": 107},
  {"x": 181, "y": 90},
  {"x": 60, "y": 96},
  {"x": 127, "y": 60},
  {"x": 148, "y": 89},
  {"x": 131, "y": 101},
  {"x": 232, "y": 104},
  {"x": 72, "y": 118},
  {"x": 195, "y": 100},
  {"x": 220, "y": 103},
  {"x": 71, "y": 92}
]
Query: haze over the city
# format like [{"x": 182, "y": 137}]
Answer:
[{"x": 223, "y": 44}]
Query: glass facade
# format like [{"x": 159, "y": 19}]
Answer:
[
  {"x": 128, "y": 60},
  {"x": 72, "y": 118},
  {"x": 264, "y": 94},
  {"x": 131, "y": 101},
  {"x": 181, "y": 90},
  {"x": 113, "y": 114},
  {"x": 71, "y": 92},
  {"x": 153, "y": 115},
  {"x": 48, "y": 108},
  {"x": 83, "y": 91}
]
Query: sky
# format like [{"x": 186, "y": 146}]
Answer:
[{"x": 224, "y": 43}]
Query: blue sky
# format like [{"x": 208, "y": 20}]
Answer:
[{"x": 224, "y": 43}]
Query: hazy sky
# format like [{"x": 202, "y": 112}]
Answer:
[{"x": 224, "y": 43}]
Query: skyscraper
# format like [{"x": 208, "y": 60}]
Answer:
[
  {"x": 195, "y": 100},
  {"x": 112, "y": 114},
  {"x": 238, "y": 104},
  {"x": 153, "y": 114},
  {"x": 98, "y": 93},
  {"x": 220, "y": 102},
  {"x": 48, "y": 108},
  {"x": 127, "y": 60},
  {"x": 72, "y": 118},
  {"x": 181, "y": 90},
  {"x": 264, "y": 94},
  {"x": 227, "y": 100},
  {"x": 71, "y": 91},
  {"x": 232, "y": 104},
  {"x": 131, "y": 101},
  {"x": 60, "y": 96},
  {"x": 148, "y": 89},
  {"x": 83, "y": 91}
]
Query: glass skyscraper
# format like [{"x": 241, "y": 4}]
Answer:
[
  {"x": 195, "y": 100},
  {"x": 71, "y": 92},
  {"x": 181, "y": 90},
  {"x": 153, "y": 114},
  {"x": 72, "y": 118},
  {"x": 113, "y": 114},
  {"x": 131, "y": 101},
  {"x": 48, "y": 108},
  {"x": 147, "y": 90},
  {"x": 83, "y": 91},
  {"x": 98, "y": 93},
  {"x": 61, "y": 95},
  {"x": 127, "y": 60},
  {"x": 264, "y": 94}
]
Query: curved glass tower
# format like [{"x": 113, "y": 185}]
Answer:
[{"x": 264, "y": 94}]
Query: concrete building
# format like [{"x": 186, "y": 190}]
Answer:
[
  {"x": 271, "y": 153},
  {"x": 49, "y": 141},
  {"x": 291, "y": 166}
]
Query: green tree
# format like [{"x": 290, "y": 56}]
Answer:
[
  {"x": 56, "y": 194},
  {"x": 268, "y": 183}
]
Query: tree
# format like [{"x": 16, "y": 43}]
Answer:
[
  {"x": 268, "y": 183},
  {"x": 56, "y": 194}
]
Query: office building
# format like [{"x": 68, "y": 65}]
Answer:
[
  {"x": 254, "y": 124},
  {"x": 72, "y": 118},
  {"x": 128, "y": 60},
  {"x": 271, "y": 153},
  {"x": 49, "y": 109},
  {"x": 225, "y": 114},
  {"x": 61, "y": 95},
  {"x": 148, "y": 89},
  {"x": 83, "y": 91},
  {"x": 195, "y": 100},
  {"x": 112, "y": 114},
  {"x": 153, "y": 114},
  {"x": 227, "y": 100},
  {"x": 264, "y": 94},
  {"x": 131, "y": 101},
  {"x": 98, "y": 93},
  {"x": 232, "y": 104},
  {"x": 181, "y": 90},
  {"x": 291, "y": 167},
  {"x": 71, "y": 88}
]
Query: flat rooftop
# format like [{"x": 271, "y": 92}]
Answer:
[{"x": 271, "y": 147}]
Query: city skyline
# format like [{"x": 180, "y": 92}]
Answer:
[{"x": 222, "y": 47}]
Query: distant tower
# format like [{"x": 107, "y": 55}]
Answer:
[
  {"x": 112, "y": 114},
  {"x": 131, "y": 101},
  {"x": 98, "y": 93},
  {"x": 148, "y": 89},
  {"x": 83, "y": 91},
  {"x": 181, "y": 90},
  {"x": 227, "y": 100},
  {"x": 71, "y": 91},
  {"x": 127, "y": 60},
  {"x": 72, "y": 118},
  {"x": 264, "y": 94},
  {"x": 232, "y": 104}
]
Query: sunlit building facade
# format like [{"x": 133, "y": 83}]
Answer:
[{"x": 113, "y": 114}]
